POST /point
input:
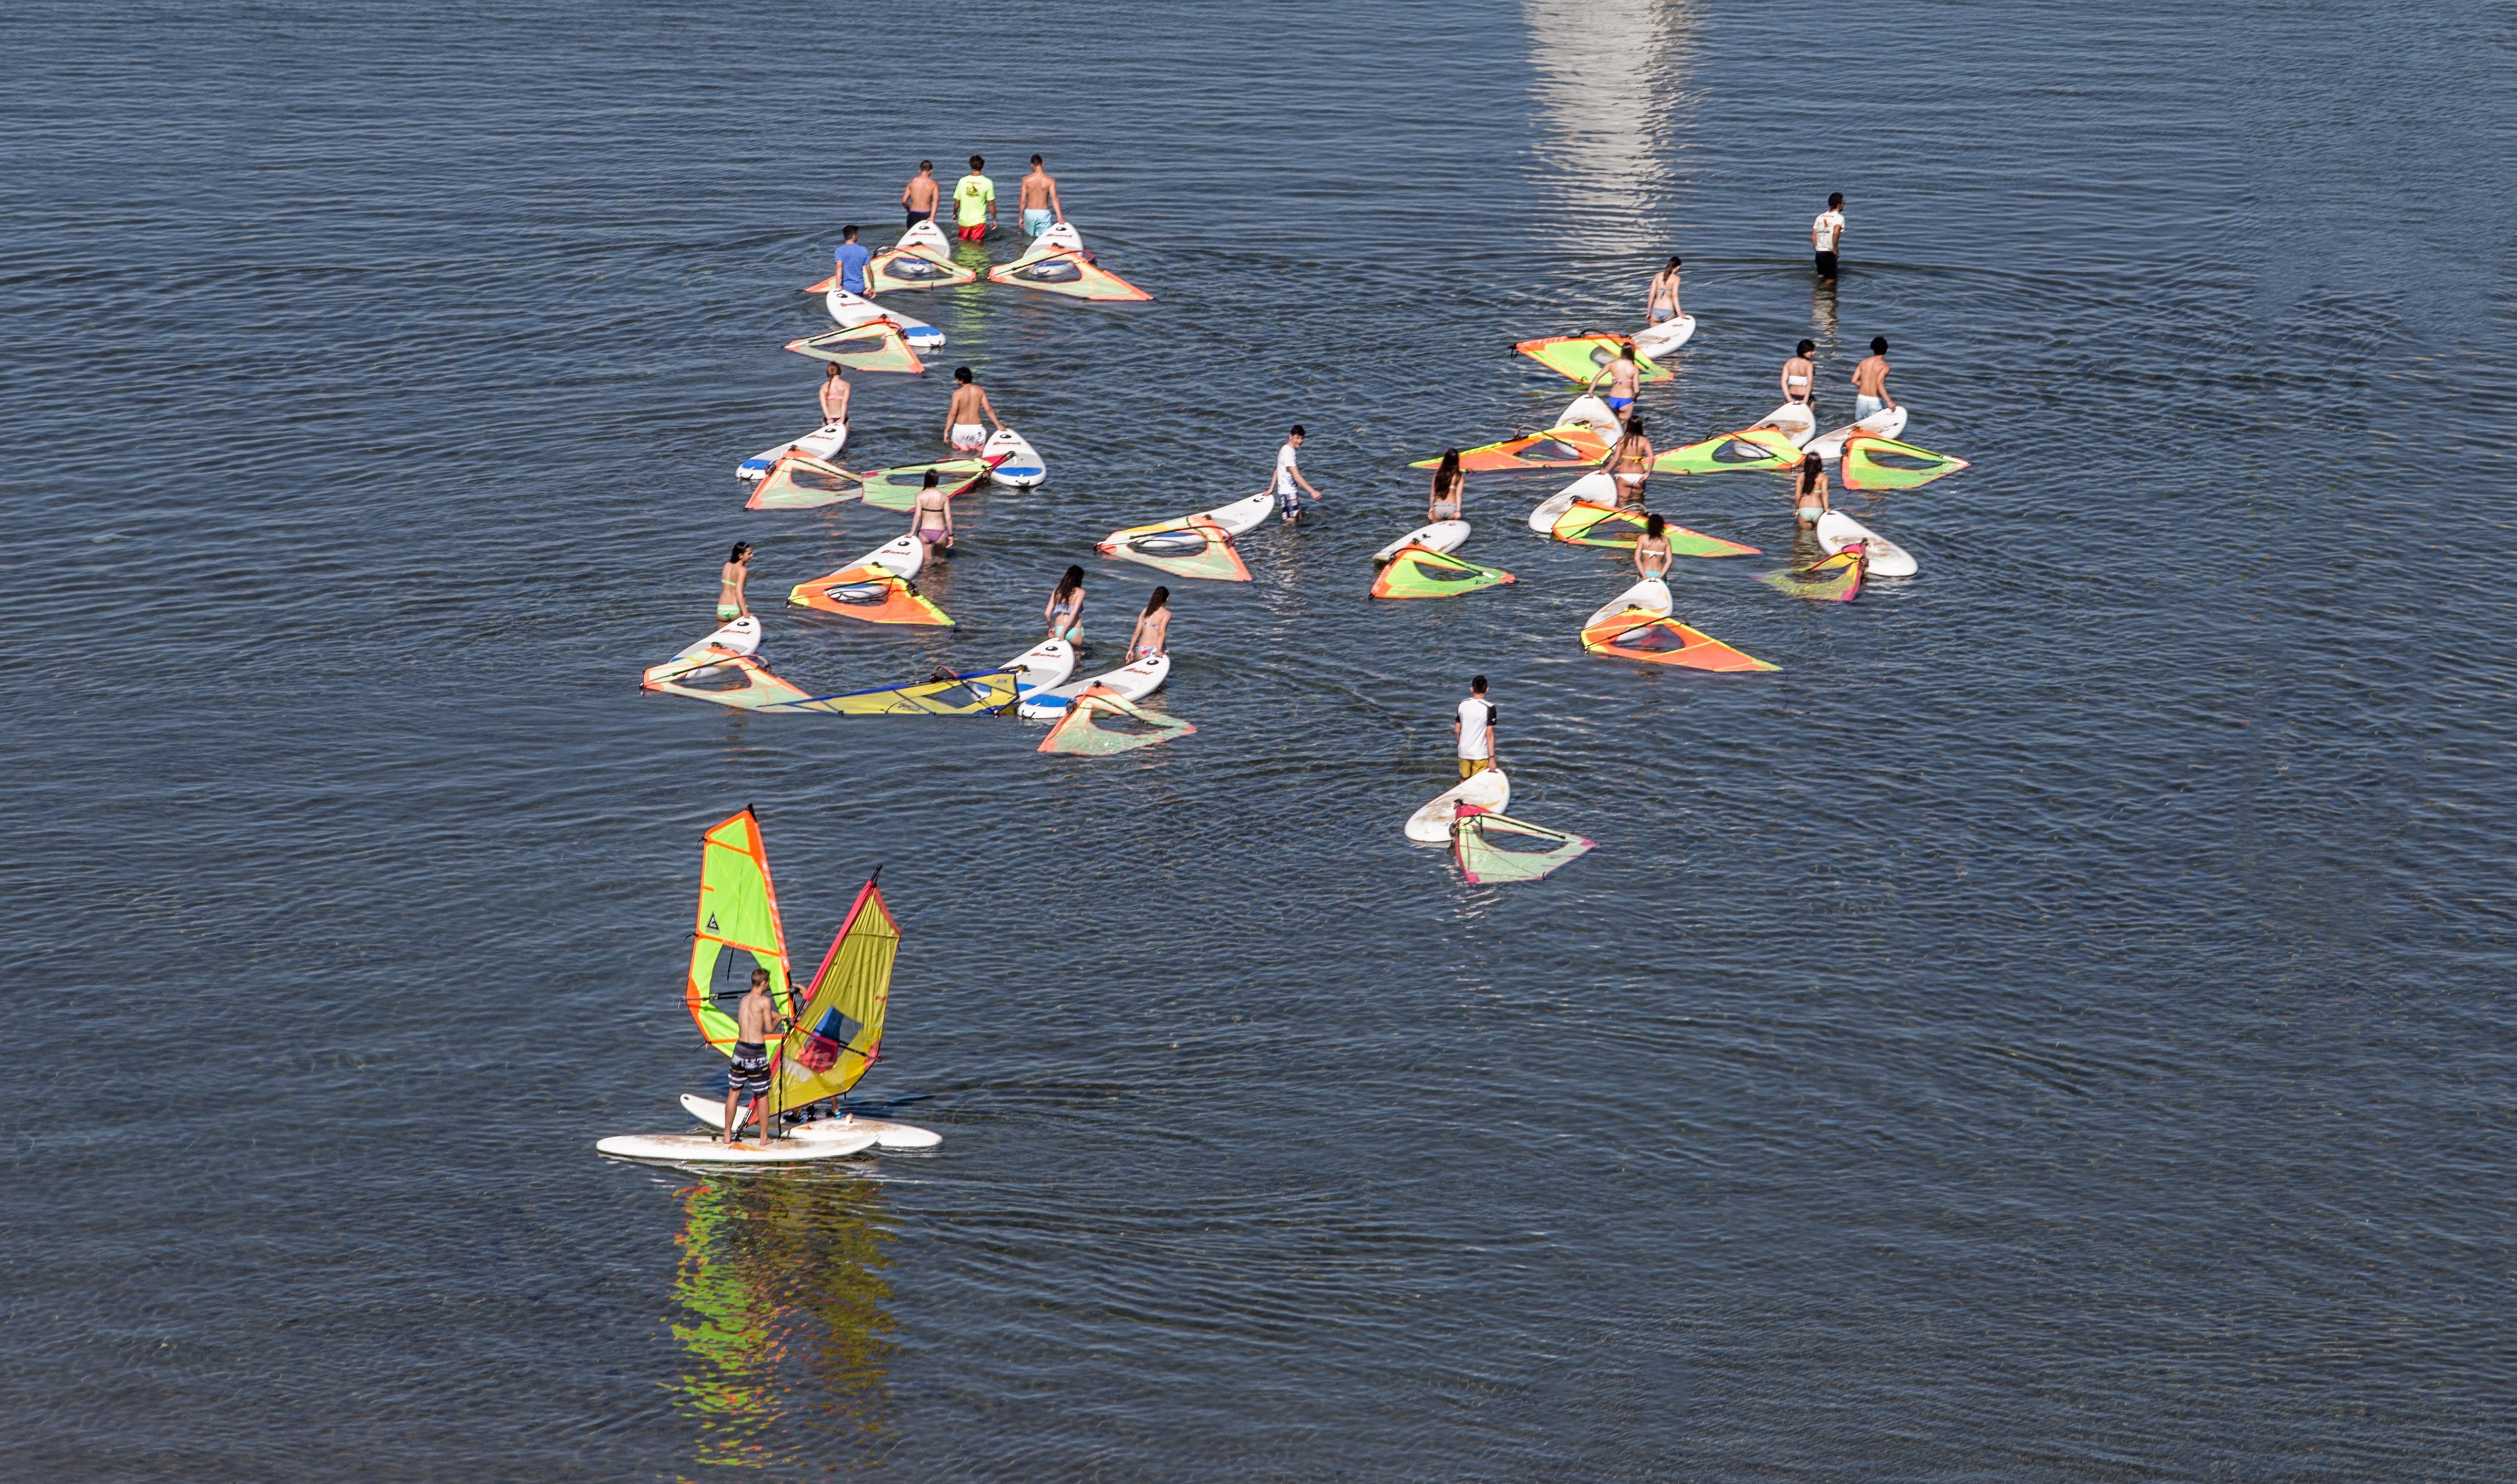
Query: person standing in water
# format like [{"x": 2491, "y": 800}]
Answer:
[
  {"x": 1809, "y": 498},
  {"x": 1474, "y": 730},
  {"x": 1289, "y": 473},
  {"x": 1652, "y": 555},
  {"x": 1870, "y": 381},
  {"x": 1826, "y": 234},
  {"x": 756, "y": 1019},
  {"x": 730, "y": 604},
  {"x": 1623, "y": 376},
  {"x": 931, "y": 518},
  {"x": 962, "y": 430},
  {"x": 1629, "y": 464},
  {"x": 1660, "y": 303},
  {"x": 835, "y": 393},
  {"x": 1040, "y": 208},
  {"x": 917, "y": 197},
  {"x": 974, "y": 203},
  {"x": 1153, "y": 631},
  {"x": 1450, "y": 488},
  {"x": 1797, "y": 373},
  {"x": 848, "y": 262},
  {"x": 1065, "y": 611}
]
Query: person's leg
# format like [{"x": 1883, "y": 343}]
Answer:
[{"x": 733, "y": 1091}]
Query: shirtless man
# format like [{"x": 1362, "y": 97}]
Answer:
[
  {"x": 931, "y": 518},
  {"x": 1660, "y": 302},
  {"x": 756, "y": 1019},
  {"x": 1040, "y": 208},
  {"x": 1826, "y": 234},
  {"x": 962, "y": 430},
  {"x": 917, "y": 197},
  {"x": 1629, "y": 464},
  {"x": 1624, "y": 379},
  {"x": 1870, "y": 381},
  {"x": 1797, "y": 373},
  {"x": 1651, "y": 548},
  {"x": 974, "y": 203},
  {"x": 730, "y": 605},
  {"x": 835, "y": 393}
]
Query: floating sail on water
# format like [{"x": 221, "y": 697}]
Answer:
[
  {"x": 982, "y": 694},
  {"x": 897, "y": 488},
  {"x": 1584, "y": 524},
  {"x": 1748, "y": 449},
  {"x": 875, "y": 347},
  {"x": 801, "y": 481},
  {"x": 724, "y": 676},
  {"x": 1561, "y": 447},
  {"x": 1659, "y": 639},
  {"x": 1068, "y": 271},
  {"x": 1582, "y": 358},
  {"x": 914, "y": 266},
  {"x": 1837, "y": 580},
  {"x": 737, "y": 930},
  {"x": 1416, "y": 572},
  {"x": 871, "y": 594},
  {"x": 1494, "y": 847},
  {"x": 1884, "y": 463},
  {"x": 1100, "y": 722},
  {"x": 1195, "y": 547}
]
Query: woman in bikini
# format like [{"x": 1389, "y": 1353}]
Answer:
[
  {"x": 1651, "y": 549},
  {"x": 1629, "y": 464},
  {"x": 931, "y": 520},
  {"x": 729, "y": 591},
  {"x": 1808, "y": 501},
  {"x": 1797, "y": 373},
  {"x": 1065, "y": 611},
  {"x": 1153, "y": 626},
  {"x": 834, "y": 397},
  {"x": 1450, "y": 486},
  {"x": 1660, "y": 303}
]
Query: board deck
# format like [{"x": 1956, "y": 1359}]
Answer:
[
  {"x": 1432, "y": 824},
  {"x": 709, "y": 1149},
  {"x": 1442, "y": 537},
  {"x": 882, "y": 1134}
]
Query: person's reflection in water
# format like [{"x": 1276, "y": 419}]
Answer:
[
  {"x": 786, "y": 1345},
  {"x": 1822, "y": 308}
]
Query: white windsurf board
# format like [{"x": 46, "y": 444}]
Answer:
[
  {"x": 1660, "y": 339},
  {"x": 822, "y": 443},
  {"x": 709, "y": 1149},
  {"x": 1887, "y": 422},
  {"x": 1595, "y": 487},
  {"x": 1441, "y": 536},
  {"x": 884, "y": 1134},
  {"x": 1243, "y": 516},
  {"x": 1131, "y": 682},
  {"x": 1651, "y": 595},
  {"x": 1432, "y": 824},
  {"x": 1044, "y": 665},
  {"x": 1881, "y": 557},
  {"x": 1019, "y": 464},
  {"x": 1794, "y": 420},
  {"x": 848, "y": 311}
]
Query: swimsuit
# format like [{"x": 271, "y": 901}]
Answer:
[
  {"x": 727, "y": 612},
  {"x": 969, "y": 435},
  {"x": 1865, "y": 405},
  {"x": 1444, "y": 510},
  {"x": 1620, "y": 403},
  {"x": 1036, "y": 219},
  {"x": 916, "y": 217},
  {"x": 749, "y": 1073}
]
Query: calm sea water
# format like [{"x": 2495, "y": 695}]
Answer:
[{"x": 2059, "y": 1026}]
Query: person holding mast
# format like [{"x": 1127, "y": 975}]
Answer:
[{"x": 756, "y": 1019}]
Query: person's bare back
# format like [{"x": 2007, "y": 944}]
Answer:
[{"x": 920, "y": 194}]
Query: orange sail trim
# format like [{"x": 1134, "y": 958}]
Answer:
[
  {"x": 870, "y": 593},
  {"x": 737, "y": 930},
  {"x": 878, "y": 346},
  {"x": 1658, "y": 639},
  {"x": 1564, "y": 448},
  {"x": 896, "y": 268},
  {"x": 1071, "y": 271},
  {"x": 721, "y": 675}
]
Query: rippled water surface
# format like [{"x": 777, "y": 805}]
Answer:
[{"x": 2058, "y": 1027}]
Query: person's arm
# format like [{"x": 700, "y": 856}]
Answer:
[
  {"x": 990, "y": 408},
  {"x": 1814, "y": 221},
  {"x": 1886, "y": 395},
  {"x": 1305, "y": 483},
  {"x": 1055, "y": 208},
  {"x": 991, "y": 205}
]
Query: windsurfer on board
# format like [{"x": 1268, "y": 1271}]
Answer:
[
  {"x": 917, "y": 197},
  {"x": 1624, "y": 378},
  {"x": 756, "y": 1019},
  {"x": 1660, "y": 301},
  {"x": 730, "y": 605},
  {"x": 962, "y": 428},
  {"x": 1039, "y": 205}
]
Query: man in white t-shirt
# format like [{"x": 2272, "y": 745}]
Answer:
[
  {"x": 1476, "y": 730},
  {"x": 1826, "y": 232},
  {"x": 1289, "y": 473}
]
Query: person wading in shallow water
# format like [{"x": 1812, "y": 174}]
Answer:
[
  {"x": 917, "y": 197},
  {"x": 756, "y": 1019},
  {"x": 1475, "y": 727},
  {"x": 1826, "y": 234},
  {"x": 729, "y": 593},
  {"x": 1630, "y": 462}
]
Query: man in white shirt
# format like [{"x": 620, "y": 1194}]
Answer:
[
  {"x": 1476, "y": 730},
  {"x": 1826, "y": 232},
  {"x": 1289, "y": 473}
]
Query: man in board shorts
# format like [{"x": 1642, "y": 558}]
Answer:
[
  {"x": 1289, "y": 473},
  {"x": 962, "y": 430},
  {"x": 974, "y": 203},
  {"x": 917, "y": 197},
  {"x": 756, "y": 1019},
  {"x": 1040, "y": 206},
  {"x": 1475, "y": 727},
  {"x": 1870, "y": 381}
]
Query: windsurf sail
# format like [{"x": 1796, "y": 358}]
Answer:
[
  {"x": 982, "y": 694},
  {"x": 1192, "y": 547},
  {"x": 897, "y": 488},
  {"x": 1659, "y": 639},
  {"x": 1561, "y": 447},
  {"x": 875, "y": 347},
  {"x": 913, "y": 268},
  {"x": 1583, "y": 357},
  {"x": 1749, "y": 448},
  {"x": 838, "y": 1032},
  {"x": 870, "y": 593},
  {"x": 1068, "y": 271},
  {"x": 1496, "y": 847},
  {"x": 721, "y": 675},
  {"x": 801, "y": 481},
  {"x": 737, "y": 930},
  {"x": 1416, "y": 572},
  {"x": 1884, "y": 463},
  {"x": 1837, "y": 580},
  {"x": 1584, "y": 524},
  {"x": 1098, "y": 722}
]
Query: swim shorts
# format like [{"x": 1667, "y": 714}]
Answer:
[
  {"x": 1036, "y": 219},
  {"x": 969, "y": 435},
  {"x": 1863, "y": 406},
  {"x": 727, "y": 612},
  {"x": 975, "y": 234},
  {"x": 1290, "y": 502},
  {"x": 750, "y": 1072},
  {"x": 916, "y": 217},
  {"x": 1826, "y": 265},
  {"x": 1471, "y": 767},
  {"x": 1620, "y": 403}
]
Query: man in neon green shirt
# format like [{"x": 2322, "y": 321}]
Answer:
[{"x": 974, "y": 203}]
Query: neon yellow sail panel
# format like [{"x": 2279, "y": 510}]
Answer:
[
  {"x": 1100, "y": 722},
  {"x": 913, "y": 268},
  {"x": 1749, "y": 448},
  {"x": 1196, "y": 547},
  {"x": 1837, "y": 580},
  {"x": 1070, "y": 272},
  {"x": 737, "y": 930},
  {"x": 980, "y": 695},
  {"x": 801, "y": 481},
  {"x": 1563, "y": 447},
  {"x": 1417, "y": 573},
  {"x": 1494, "y": 847},
  {"x": 1584, "y": 524},
  {"x": 838, "y": 1032},
  {"x": 723, "y": 676},
  {"x": 1883, "y": 463},
  {"x": 875, "y": 347},
  {"x": 897, "y": 488},
  {"x": 1583, "y": 357}
]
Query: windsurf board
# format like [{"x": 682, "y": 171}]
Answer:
[
  {"x": 822, "y": 443},
  {"x": 1441, "y": 535},
  {"x": 1432, "y": 824},
  {"x": 1596, "y": 487},
  {"x": 1887, "y": 422},
  {"x": 885, "y": 1135},
  {"x": 1883, "y": 557},
  {"x": 1130, "y": 682}
]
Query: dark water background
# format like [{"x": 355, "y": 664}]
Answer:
[{"x": 2058, "y": 1027}]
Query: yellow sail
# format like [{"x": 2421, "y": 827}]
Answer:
[
  {"x": 838, "y": 1032},
  {"x": 737, "y": 930}
]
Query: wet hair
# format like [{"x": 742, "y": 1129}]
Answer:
[
  {"x": 1449, "y": 471},
  {"x": 835, "y": 369},
  {"x": 1834, "y": 199},
  {"x": 760, "y": 977},
  {"x": 1634, "y": 425},
  {"x": 1037, "y": 160},
  {"x": 1297, "y": 431},
  {"x": 741, "y": 550},
  {"x": 1673, "y": 260},
  {"x": 1806, "y": 345},
  {"x": 931, "y": 480},
  {"x": 1654, "y": 525},
  {"x": 1073, "y": 579},
  {"x": 1161, "y": 598},
  {"x": 976, "y": 162},
  {"x": 847, "y": 234},
  {"x": 1478, "y": 683},
  {"x": 925, "y": 164},
  {"x": 1878, "y": 344},
  {"x": 1812, "y": 469},
  {"x": 1626, "y": 348},
  {"x": 960, "y": 373}
]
